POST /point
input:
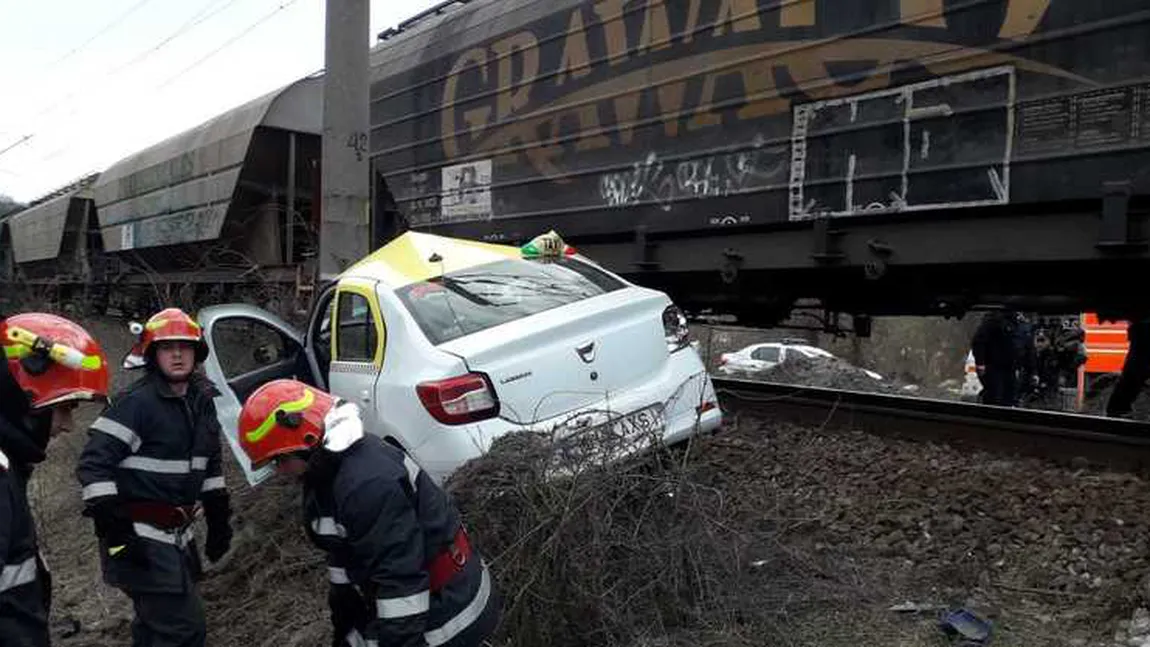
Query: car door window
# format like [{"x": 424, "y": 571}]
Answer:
[
  {"x": 766, "y": 354},
  {"x": 245, "y": 345},
  {"x": 320, "y": 335},
  {"x": 357, "y": 337}
]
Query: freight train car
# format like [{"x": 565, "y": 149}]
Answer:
[
  {"x": 866, "y": 156},
  {"x": 881, "y": 156},
  {"x": 223, "y": 210}
]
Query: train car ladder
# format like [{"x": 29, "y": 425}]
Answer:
[{"x": 799, "y": 160}]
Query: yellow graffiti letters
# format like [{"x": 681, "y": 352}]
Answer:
[
  {"x": 515, "y": 93},
  {"x": 576, "y": 58},
  {"x": 610, "y": 13},
  {"x": 471, "y": 58}
]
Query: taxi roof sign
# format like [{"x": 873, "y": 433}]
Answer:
[{"x": 548, "y": 245}]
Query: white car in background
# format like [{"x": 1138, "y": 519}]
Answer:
[
  {"x": 760, "y": 357},
  {"x": 447, "y": 344}
]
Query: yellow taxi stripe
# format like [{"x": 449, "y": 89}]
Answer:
[{"x": 295, "y": 406}]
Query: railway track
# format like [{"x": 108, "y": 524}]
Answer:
[{"x": 1064, "y": 437}]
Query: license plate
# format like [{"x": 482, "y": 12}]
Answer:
[
  {"x": 641, "y": 422},
  {"x": 594, "y": 439}
]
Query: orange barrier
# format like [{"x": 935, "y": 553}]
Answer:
[{"x": 1106, "y": 347}]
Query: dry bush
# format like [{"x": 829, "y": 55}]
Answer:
[{"x": 640, "y": 552}]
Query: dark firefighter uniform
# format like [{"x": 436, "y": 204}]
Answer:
[
  {"x": 401, "y": 568},
  {"x": 25, "y": 588},
  {"x": 49, "y": 364},
  {"x": 995, "y": 352},
  {"x": 149, "y": 458},
  {"x": 1135, "y": 370}
]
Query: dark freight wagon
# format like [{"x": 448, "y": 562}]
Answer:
[
  {"x": 884, "y": 155},
  {"x": 868, "y": 156}
]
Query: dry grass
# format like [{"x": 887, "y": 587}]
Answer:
[{"x": 646, "y": 552}]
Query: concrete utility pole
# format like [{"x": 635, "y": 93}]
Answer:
[{"x": 344, "y": 228}]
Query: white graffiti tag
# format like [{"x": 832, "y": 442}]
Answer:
[{"x": 662, "y": 183}]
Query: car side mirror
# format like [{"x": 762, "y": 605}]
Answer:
[{"x": 135, "y": 358}]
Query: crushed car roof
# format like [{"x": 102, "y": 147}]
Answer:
[{"x": 416, "y": 256}]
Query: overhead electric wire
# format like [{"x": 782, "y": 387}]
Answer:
[
  {"x": 105, "y": 29},
  {"x": 188, "y": 25},
  {"x": 17, "y": 143},
  {"x": 250, "y": 28}
]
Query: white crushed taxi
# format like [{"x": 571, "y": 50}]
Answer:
[{"x": 447, "y": 344}]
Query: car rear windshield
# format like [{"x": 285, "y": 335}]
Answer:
[
  {"x": 467, "y": 301},
  {"x": 766, "y": 354}
]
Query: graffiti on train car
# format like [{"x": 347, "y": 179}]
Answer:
[
  {"x": 649, "y": 104},
  {"x": 524, "y": 97},
  {"x": 723, "y": 174}
]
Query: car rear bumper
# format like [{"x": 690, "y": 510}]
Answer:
[{"x": 689, "y": 403}]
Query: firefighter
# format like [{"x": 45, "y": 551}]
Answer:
[
  {"x": 152, "y": 459},
  {"x": 401, "y": 567},
  {"x": 1025, "y": 359},
  {"x": 1135, "y": 371},
  {"x": 51, "y": 364},
  {"x": 996, "y": 358}
]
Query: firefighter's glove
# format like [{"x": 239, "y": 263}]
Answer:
[
  {"x": 218, "y": 513},
  {"x": 348, "y": 612},
  {"x": 112, "y": 523},
  {"x": 131, "y": 551},
  {"x": 114, "y": 526}
]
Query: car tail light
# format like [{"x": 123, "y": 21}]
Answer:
[
  {"x": 459, "y": 400},
  {"x": 675, "y": 329}
]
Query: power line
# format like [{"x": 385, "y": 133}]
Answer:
[
  {"x": 16, "y": 143},
  {"x": 227, "y": 43},
  {"x": 188, "y": 25},
  {"x": 105, "y": 29}
]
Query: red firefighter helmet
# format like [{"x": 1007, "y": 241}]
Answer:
[
  {"x": 281, "y": 417},
  {"x": 53, "y": 360},
  {"x": 170, "y": 324}
]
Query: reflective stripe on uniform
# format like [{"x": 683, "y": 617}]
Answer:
[
  {"x": 412, "y": 470},
  {"x": 148, "y": 531},
  {"x": 199, "y": 462},
  {"x": 98, "y": 489},
  {"x": 355, "y": 639},
  {"x": 408, "y": 605},
  {"x": 327, "y": 527},
  {"x": 337, "y": 575},
  {"x": 464, "y": 618},
  {"x": 18, "y": 574},
  {"x": 117, "y": 430},
  {"x": 213, "y": 483},
  {"x": 3, "y": 460},
  {"x": 157, "y": 465}
]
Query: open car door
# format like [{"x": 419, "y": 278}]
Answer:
[{"x": 249, "y": 348}]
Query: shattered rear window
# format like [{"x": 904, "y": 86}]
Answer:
[{"x": 468, "y": 301}]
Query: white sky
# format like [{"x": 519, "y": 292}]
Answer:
[{"x": 94, "y": 80}]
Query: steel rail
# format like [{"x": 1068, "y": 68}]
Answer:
[{"x": 1057, "y": 435}]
